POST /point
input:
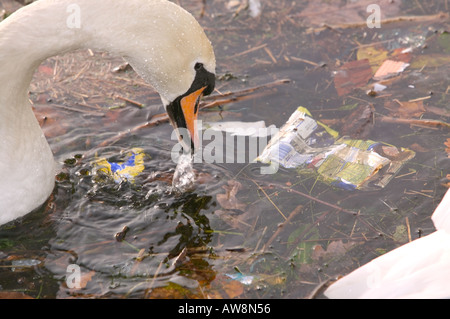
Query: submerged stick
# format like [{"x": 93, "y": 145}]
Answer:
[
  {"x": 338, "y": 208},
  {"x": 249, "y": 90},
  {"x": 417, "y": 122},
  {"x": 269, "y": 199},
  {"x": 296, "y": 210},
  {"x": 422, "y": 18},
  {"x": 291, "y": 190}
]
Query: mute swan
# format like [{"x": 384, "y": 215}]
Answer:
[
  {"x": 419, "y": 269},
  {"x": 163, "y": 42}
]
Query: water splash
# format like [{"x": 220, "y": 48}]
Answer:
[{"x": 184, "y": 176}]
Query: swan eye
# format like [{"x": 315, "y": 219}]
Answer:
[{"x": 198, "y": 66}]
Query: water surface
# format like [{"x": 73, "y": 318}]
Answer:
[{"x": 238, "y": 234}]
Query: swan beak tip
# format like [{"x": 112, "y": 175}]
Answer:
[{"x": 190, "y": 107}]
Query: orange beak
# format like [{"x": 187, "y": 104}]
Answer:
[{"x": 190, "y": 106}]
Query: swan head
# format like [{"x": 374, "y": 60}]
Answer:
[
  {"x": 183, "y": 110},
  {"x": 163, "y": 43},
  {"x": 168, "y": 48}
]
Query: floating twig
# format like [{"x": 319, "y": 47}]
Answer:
[
  {"x": 408, "y": 228},
  {"x": 270, "y": 200},
  {"x": 296, "y": 210},
  {"x": 130, "y": 101},
  {"x": 306, "y": 231},
  {"x": 291, "y": 190},
  {"x": 248, "y": 51},
  {"x": 416, "y": 122},
  {"x": 304, "y": 61}
]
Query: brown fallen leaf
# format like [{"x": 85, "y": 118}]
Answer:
[
  {"x": 447, "y": 184},
  {"x": 352, "y": 75},
  {"x": 51, "y": 120},
  {"x": 375, "y": 54},
  {"x": 334, "y": 249},
  {"x": 405, "y": 109},
  {"x": 45, "y": 69},
  {"x": 430, "y": 61},
  {"x": 229, "y": 200},
  {"x": 224, "y": 287},
  {"x": 85, "y": 278},
  {"x": 242, "y": 221},
  {"x": 401, "y": 54},
  {"x": 447, "y": 150},
  {"x": 14, "y": 295},
  {"x": 419, "y": 148},
  {"x": 359, "y": 123}
]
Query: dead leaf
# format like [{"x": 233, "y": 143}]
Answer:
[
  {"x": 359, "y": 123},
  {"x": 375, "y": 55},
  {"x": 85, "y": 278},
  {"x": 430, "y": 61},
  {"x": 47, "y": 70},
  {"x": 14, "y": 295},
  {"x": 400, "y": 235},
  {"x": 335, "y": 248},
  {"x": 229, "y": 200},
  {"x": 390, "y": 151},
  {"x": 233, "y": 288},
  {"x": 224, "y": 285},
  {"x": 401, "y": 54},
  {"x": 405, "y": 109},
  {"x": 352, "y": 75},
  {"x": 161, "y": 176},
  {"x": 51, "y": 120},
  {"x": 447, "y": 150},
  {"x": 419, "y": 148}
]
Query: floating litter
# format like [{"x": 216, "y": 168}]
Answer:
[
  {"x": 390, "y": 68},
  {"x": 243, "y": 279},
  {"x": 127, "y": 170},
  {"x": 304, "y": 143}
]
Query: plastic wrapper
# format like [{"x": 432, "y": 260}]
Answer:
[
  {"x": 351, "y": 164},
  {"x": 120, "y": 171}
]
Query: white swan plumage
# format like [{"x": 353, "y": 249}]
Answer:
[
  {"x": 163, "y": 43},
  {"x": 418, "y": 270}
]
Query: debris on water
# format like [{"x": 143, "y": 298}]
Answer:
[
  {"x": 24, "y": 263},
  {"x": 377, "y": 87},
  {"x": 120, "y": 236},
  {"x": 351, "y": 75},
  {"x": 342, "y": 162},
  {"x": 390, "y": 68},
  {"x": 244, "y": 279},
  {"x": 121, "y": 171},
  {"x": 184, "y": 282},
  {"x": 122, "y": 68},
  {"x": 239, "y": 128},
  {"x": 254, "y": 7}
]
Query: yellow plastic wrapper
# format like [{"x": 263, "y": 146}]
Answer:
[{"x": 127, "y": 170}]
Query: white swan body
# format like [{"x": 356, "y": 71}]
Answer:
[
  {"x": 163, "y": 43},
  {"x": 419, "y": 269}
]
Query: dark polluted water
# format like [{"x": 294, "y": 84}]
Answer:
[{"x": 238, "y": 233}]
